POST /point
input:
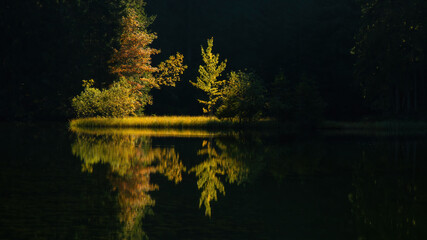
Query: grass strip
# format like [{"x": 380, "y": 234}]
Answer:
[{"x": 180, "y": 122}]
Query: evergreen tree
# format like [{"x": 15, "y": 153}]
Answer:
[
  {"x": 208, "y": 77},
  {"x": 390, "y": 49}
]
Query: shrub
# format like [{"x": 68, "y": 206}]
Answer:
[
  {"x": 87, "y": 103},
  {"x": 242, "y": 97},
  {"x": 119, "y": 100}
]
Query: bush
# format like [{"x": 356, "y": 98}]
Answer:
[
  {"x": 119, "y": 100},
  {"x": 242, "y": 97},
  {"x": 87, "y": 103}
]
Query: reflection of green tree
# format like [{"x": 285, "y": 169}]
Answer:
[
  {"x": 384, "y": 201},
  {"x": 118, "y": 151},
  {"x": 218, "y": 163},
  {"x": 132, "y": 160}
]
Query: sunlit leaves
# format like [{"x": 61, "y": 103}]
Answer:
[
  {"x": 208, "y": 77},
  {"x": 242, "y": 96},
  {"x": 170, "y": 70},
  {"x": 119, "y": 100},
  {"x": 133, "y": 59}
]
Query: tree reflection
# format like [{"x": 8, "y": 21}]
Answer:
[
  {"x": 218, "y": 163},
  {"x": 385, "y": 200},
  {"x": 132, "y": 160}
]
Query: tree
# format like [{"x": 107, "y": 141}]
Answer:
[
  {"x": 208, "y": 77},
  {"x": 242, "y": 96},
  {"x": 133, "y": 59},
  {"x": 300, "y": 102},
  {"x": 390, "y": 50}
]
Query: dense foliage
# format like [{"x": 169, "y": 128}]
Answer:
[
  {"x": 118, "y": 100},
  {"x": 132, "y": 63},
  {"x": 300, "y": 102},
  {"x": 208, "y": 78},
  {"x": 390, "y": 49},
  {"x": 242, "y": 97}
]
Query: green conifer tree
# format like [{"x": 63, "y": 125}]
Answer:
[{"x": 208, "y": 77}]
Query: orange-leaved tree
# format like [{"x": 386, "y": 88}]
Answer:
[{"x": 133, "y": 59}]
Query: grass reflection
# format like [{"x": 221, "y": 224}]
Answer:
[{"x": 148, "y": 132}]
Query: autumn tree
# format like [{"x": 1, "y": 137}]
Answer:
[
  {"x": 133, "y": 59},
  {"x": 208, "y": 77}
]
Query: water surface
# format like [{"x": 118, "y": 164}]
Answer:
[{"x": 170, "y": 184}]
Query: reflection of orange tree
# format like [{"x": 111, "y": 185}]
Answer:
[
  {"x": 218, "y": 163},
  {"x": 132, "y": 160}
]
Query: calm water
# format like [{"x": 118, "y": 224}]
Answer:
[{"x": 60, "y": 184}]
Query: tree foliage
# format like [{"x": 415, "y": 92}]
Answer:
[
  {"x": 208, "y": 77},
  {"x": 300, "y": 102},
  {"x": 118, "y": 100},
  {"x": 242, "y": 96},
  {"x": 132, "y": 64},
  {"x": 133, "y": 59},
  {"x": 390, "y": 49},
  {"x": 170, "y": 70}
]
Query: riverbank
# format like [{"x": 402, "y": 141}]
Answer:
[
  {"x": 213, "y": 123},
  {"x": 181, "y": 122}
]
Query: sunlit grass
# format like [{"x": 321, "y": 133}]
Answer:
[
  {"x": 149, "y": 132},
  {"x": 181, "y": 122}
]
